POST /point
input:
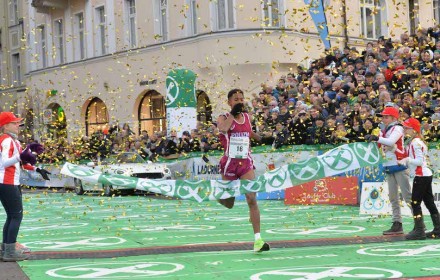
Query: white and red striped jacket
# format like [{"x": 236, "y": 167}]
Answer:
[
  {"x": 391, "y": 141},
  {"x": 10, "y": 160},
  {"x": 417, "y": 153}
]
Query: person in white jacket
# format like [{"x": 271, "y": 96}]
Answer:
[
  {"x": 391, "y": 141},
  {"x": 12, "y": 160},
  {"x": 416, "y": 162}
]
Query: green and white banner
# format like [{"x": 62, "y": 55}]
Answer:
[
  {"x": 181, "y": 101},
  {"x": 336, "y": 161}
]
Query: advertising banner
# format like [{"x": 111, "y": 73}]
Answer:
[
  {"x": 375, "y": 201},
  {"x": 181, "y": 101},
  {"x": 434, "y": 156},
  {"x": 195, "y": 168},
  {"x": 57, "y": 180},
  {"x": 206, "y": 168},
  {"x": 340, "y": 159},
  {"x": 316, "y": 10},
  {"x": 335, "y": 190}
]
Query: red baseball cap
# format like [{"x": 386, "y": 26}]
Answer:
[
  {"x": 390, "y": 111},
  {"x": 412, "y": 123},
  {"x": 8, "y": 117}
]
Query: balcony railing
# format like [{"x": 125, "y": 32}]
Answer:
[{"x": 44, "y": 6}]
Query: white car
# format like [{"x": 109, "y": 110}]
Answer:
[{"x": 128, "y": 164}]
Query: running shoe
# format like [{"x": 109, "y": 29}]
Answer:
[{"x": 260, "y": 246}]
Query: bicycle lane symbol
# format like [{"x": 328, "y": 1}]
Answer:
[
  {"x": 400, "y": 250},
  {"x": 147, "y": 228},
  {"x": 316, "y": 273},
  {"x": 328, "y": 230},
  {"x": 76, "y": 244},
  {"x": 244, "y": 218},
  {"x": 128, "y": 217},
  {"x": 61, "y": 226},
  {"x": 349, "y": 218},
  {"x": 115, "y": 270}
]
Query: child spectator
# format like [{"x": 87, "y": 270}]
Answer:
[{"x": 416, "y": 161}]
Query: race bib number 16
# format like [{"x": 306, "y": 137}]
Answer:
[{"x": 239, "y": 147}]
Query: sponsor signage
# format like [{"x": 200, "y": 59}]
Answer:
[
  {"x": 148, "y": 82},
  {"x": 375, "y": 200},
  {"x": 181, "y": 101},
  {"x": 206, "y": 167},
  {"x": 333, "y": 190}
]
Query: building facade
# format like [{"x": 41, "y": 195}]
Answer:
[{"x": 73, "y": 67}]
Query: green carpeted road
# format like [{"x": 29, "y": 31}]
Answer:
[{"x": 136, "y": 237}]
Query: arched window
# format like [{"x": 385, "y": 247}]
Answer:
[
  {"x": 204, "y": 108},
  {"x": 373, "y": 18},
  {"x": 151, "y": 113},
  {"x": 96, "y": 116}
]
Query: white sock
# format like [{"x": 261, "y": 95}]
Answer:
[{"x": 257, "y": 236}]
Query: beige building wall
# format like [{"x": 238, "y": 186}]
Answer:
[
  {"x": 243, "y": 57},
  {"x": 11, "y": 44}
]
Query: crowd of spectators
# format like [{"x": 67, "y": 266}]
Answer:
[
  {"x": 115, "y": 140},
  {"x": 335, "y": 100}
]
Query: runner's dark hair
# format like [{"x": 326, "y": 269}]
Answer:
[{"x": 234, "y": 91}]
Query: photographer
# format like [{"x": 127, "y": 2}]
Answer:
[
  {"x": 167, "y": 147},
  {"x": 279, "y": 135},
  {"x": 185, "y": 143},
  {"x": 297, "y": 128}
]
